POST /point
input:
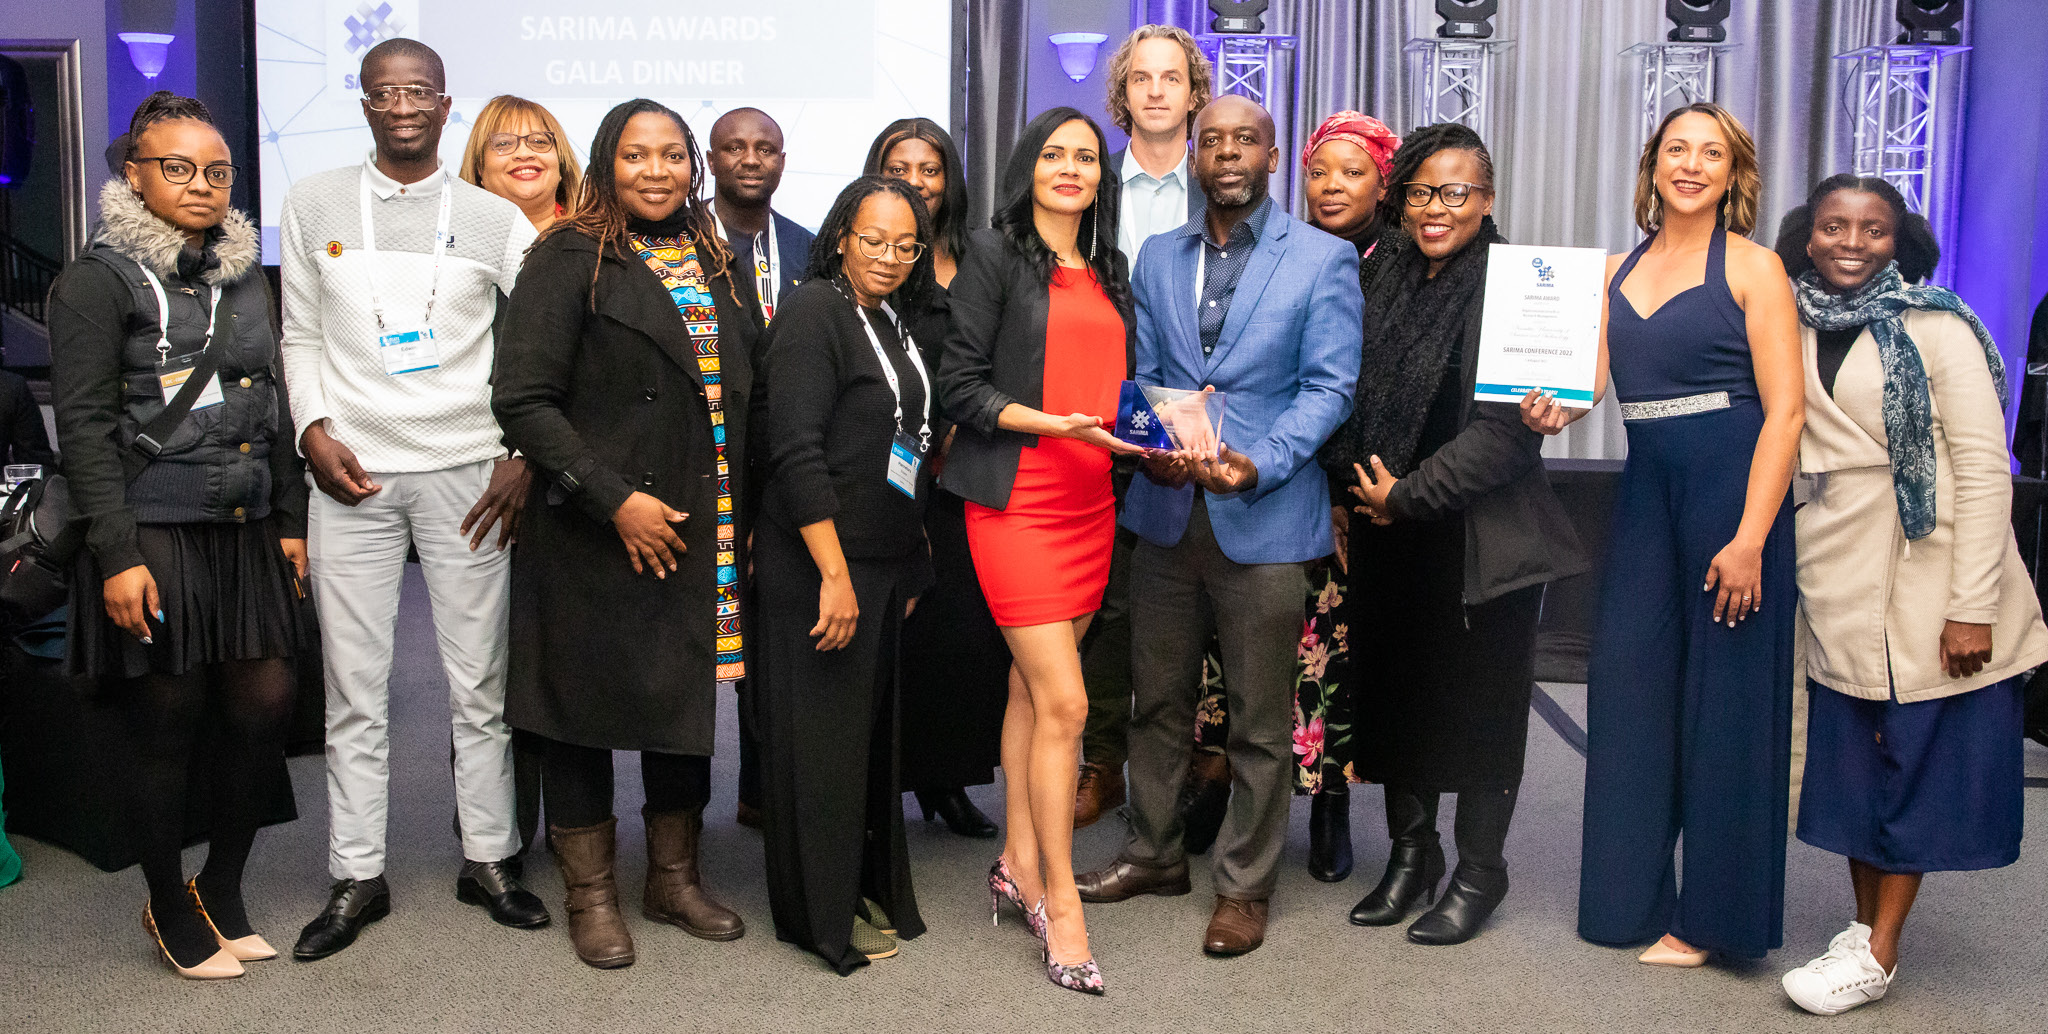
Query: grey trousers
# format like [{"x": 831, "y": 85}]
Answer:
[{"x": 1179, "y": 597}]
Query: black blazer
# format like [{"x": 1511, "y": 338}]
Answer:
[
  {"x": 995, "y": 355},
  {"x": 605, "y": 404}
]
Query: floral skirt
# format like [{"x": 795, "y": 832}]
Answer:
[{"x": 1322, "y": 704}]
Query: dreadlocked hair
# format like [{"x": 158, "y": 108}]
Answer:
[
  {"x": 162, "y": 106},
  {"x": 1419, "y": 147},
  {"x": 600, "y": 215}
]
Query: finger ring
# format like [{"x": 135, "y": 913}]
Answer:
[{"x": 1745, "y": 595}]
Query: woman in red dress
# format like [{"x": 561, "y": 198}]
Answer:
[{"x": 1042, "y": 338}]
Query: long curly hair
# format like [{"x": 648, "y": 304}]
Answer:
[
  {"x": 1918, "y": 251},
  {"x": 600, "y": 215},
  {"x": 1098, "y": 236},
  {"x": 1201, "y": 78},
  {"x": 952, "y": 223},
  {"x": 824, "y": 262}
]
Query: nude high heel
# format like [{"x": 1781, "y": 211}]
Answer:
[
  {"x": 1661, "y": 954},
  {"x": 218, "y": 966},
  {"x": 245, "y": 949}
]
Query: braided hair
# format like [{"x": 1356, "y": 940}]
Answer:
[
  {"x": 162, "y": 106},
  {"x": 1419, "y": 147},
  {"x": 1917, "y": 251},
  {"x": 600, "y": 214}
]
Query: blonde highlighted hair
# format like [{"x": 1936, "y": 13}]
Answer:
[
  {"x": 1201, "y": 80},
  {"x": 1737, "y": 209},
  {"x": 499, "y": 115}
]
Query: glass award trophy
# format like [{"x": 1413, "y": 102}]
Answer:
[{"x": 1170, "y": 418}]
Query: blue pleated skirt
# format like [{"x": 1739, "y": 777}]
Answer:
[{"x": 1932, "y": 786}]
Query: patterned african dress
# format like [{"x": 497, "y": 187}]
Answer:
[{"x": 674, "y": 260}]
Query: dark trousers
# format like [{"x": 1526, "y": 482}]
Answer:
[
  {"x": 577, "y": 782},
  {"x": 1688, "y": 723},
  {"x": 1106, "y": 663},
  {"x": 1254, "y": 613}
]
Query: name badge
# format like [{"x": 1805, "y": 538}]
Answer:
[
  {"x": 906, "y": 455},
  {"x": 408, "y": 351},
  {"x": 173, "y": 374}
]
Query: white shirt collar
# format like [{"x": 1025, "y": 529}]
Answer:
[
  {"x": 1132, "y": 170},
  {"x": 384, "y": 186}
]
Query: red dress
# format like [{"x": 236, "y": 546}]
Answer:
[{"x": 1045, "y": 557}]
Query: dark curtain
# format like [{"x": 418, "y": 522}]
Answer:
[{"x": 990, "y": 55}]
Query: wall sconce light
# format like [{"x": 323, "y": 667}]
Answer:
[
  {"x": 1077, "y": 52},
  {"x": 148, "y": 51}
]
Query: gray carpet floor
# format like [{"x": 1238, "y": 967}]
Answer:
[{"x": 73, "y": 956}]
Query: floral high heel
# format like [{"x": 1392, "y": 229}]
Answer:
[
  {"x": 1084, "y": 977},
  {"x": 1001, "y": 887}
]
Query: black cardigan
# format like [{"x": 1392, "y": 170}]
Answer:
[
  {"x": 829, "y": 424},
  {"x": 995, "y": 355}
]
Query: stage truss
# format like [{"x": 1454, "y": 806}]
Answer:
[{"x": 1453, "y": 80}]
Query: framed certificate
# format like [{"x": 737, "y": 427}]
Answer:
[{"x": 1541, "y": 327}]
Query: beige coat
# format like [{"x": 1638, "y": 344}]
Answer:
[{"x": 1872, "y": 602}]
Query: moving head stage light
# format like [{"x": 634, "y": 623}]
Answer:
[
  {"x": 1466, "y": 19},
  {"x": 1931, "y": 22},
  {"x": 1697, "y": 21}
]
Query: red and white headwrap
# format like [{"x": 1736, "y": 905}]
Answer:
[{"x": 1357, "y": 128}]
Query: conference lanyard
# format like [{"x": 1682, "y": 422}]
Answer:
[
  {"x": 767, "y": 264},
  {"x": 169, "y": 380},
  {"x": 924, "y": 432},
  {"x": 370, "y": 248},
  {"x": 163, "y": 316}
]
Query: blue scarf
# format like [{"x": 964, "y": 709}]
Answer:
[{"x": 1908, "y": 409}]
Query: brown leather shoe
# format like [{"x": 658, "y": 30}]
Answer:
[
  {"x": 675, "y": 894},
  {"x": 596, "y": 928},
  {"x": 1101, "y": 789},
  {"x": 1236, "y": 928},
  {"x": 1123, "y": 880}
]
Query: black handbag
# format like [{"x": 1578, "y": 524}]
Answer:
[{"x": 40, "y": 532}]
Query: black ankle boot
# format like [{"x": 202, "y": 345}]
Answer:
[
  {"x": 1414, "y": 868},
  {"x": 1329, "y": 835},
  {"x": 958, "y": 811},
  {"x": 1481, "y": 880}
]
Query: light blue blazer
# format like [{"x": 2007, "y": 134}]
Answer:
[{"x": 1288, "y": 357}]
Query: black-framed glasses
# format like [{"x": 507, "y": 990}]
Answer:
[
  {"x": 538, "y": 143},
  {"x": 382, "y": 98},
  {"x": 1419, "y": 195},
  {"x": 875, "y": 247},
  {"x": 179, "y": 171}
]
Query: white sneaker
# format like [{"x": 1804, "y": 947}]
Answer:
[{"x": 1844, "y": 978}]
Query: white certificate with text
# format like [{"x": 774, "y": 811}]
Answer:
[{"x": 1541, "y": 327}]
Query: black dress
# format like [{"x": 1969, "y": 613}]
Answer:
[
  {"x": 831, "y": 794},
  {"x": 956, "y": 664},
  {"x": 1440, "y": 689}
]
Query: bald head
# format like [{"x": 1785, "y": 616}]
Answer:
[
  {"x": 1233, "y": 110},
  {"x": 746, "y": 158},
  {"x": 745, "y": 122},
  {"x": 1234, "y": 152}
]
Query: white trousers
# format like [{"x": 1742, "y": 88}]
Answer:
[{"x": 358, "y": 557}]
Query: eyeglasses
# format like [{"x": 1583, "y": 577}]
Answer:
[
  {"x": 875, "y": 248},
  {"x": 423, "y": 98},
  {"x": 179, "y": 171},
  {"x": 538, "y": 143},
  {"x": 1455, "y": 195}
]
